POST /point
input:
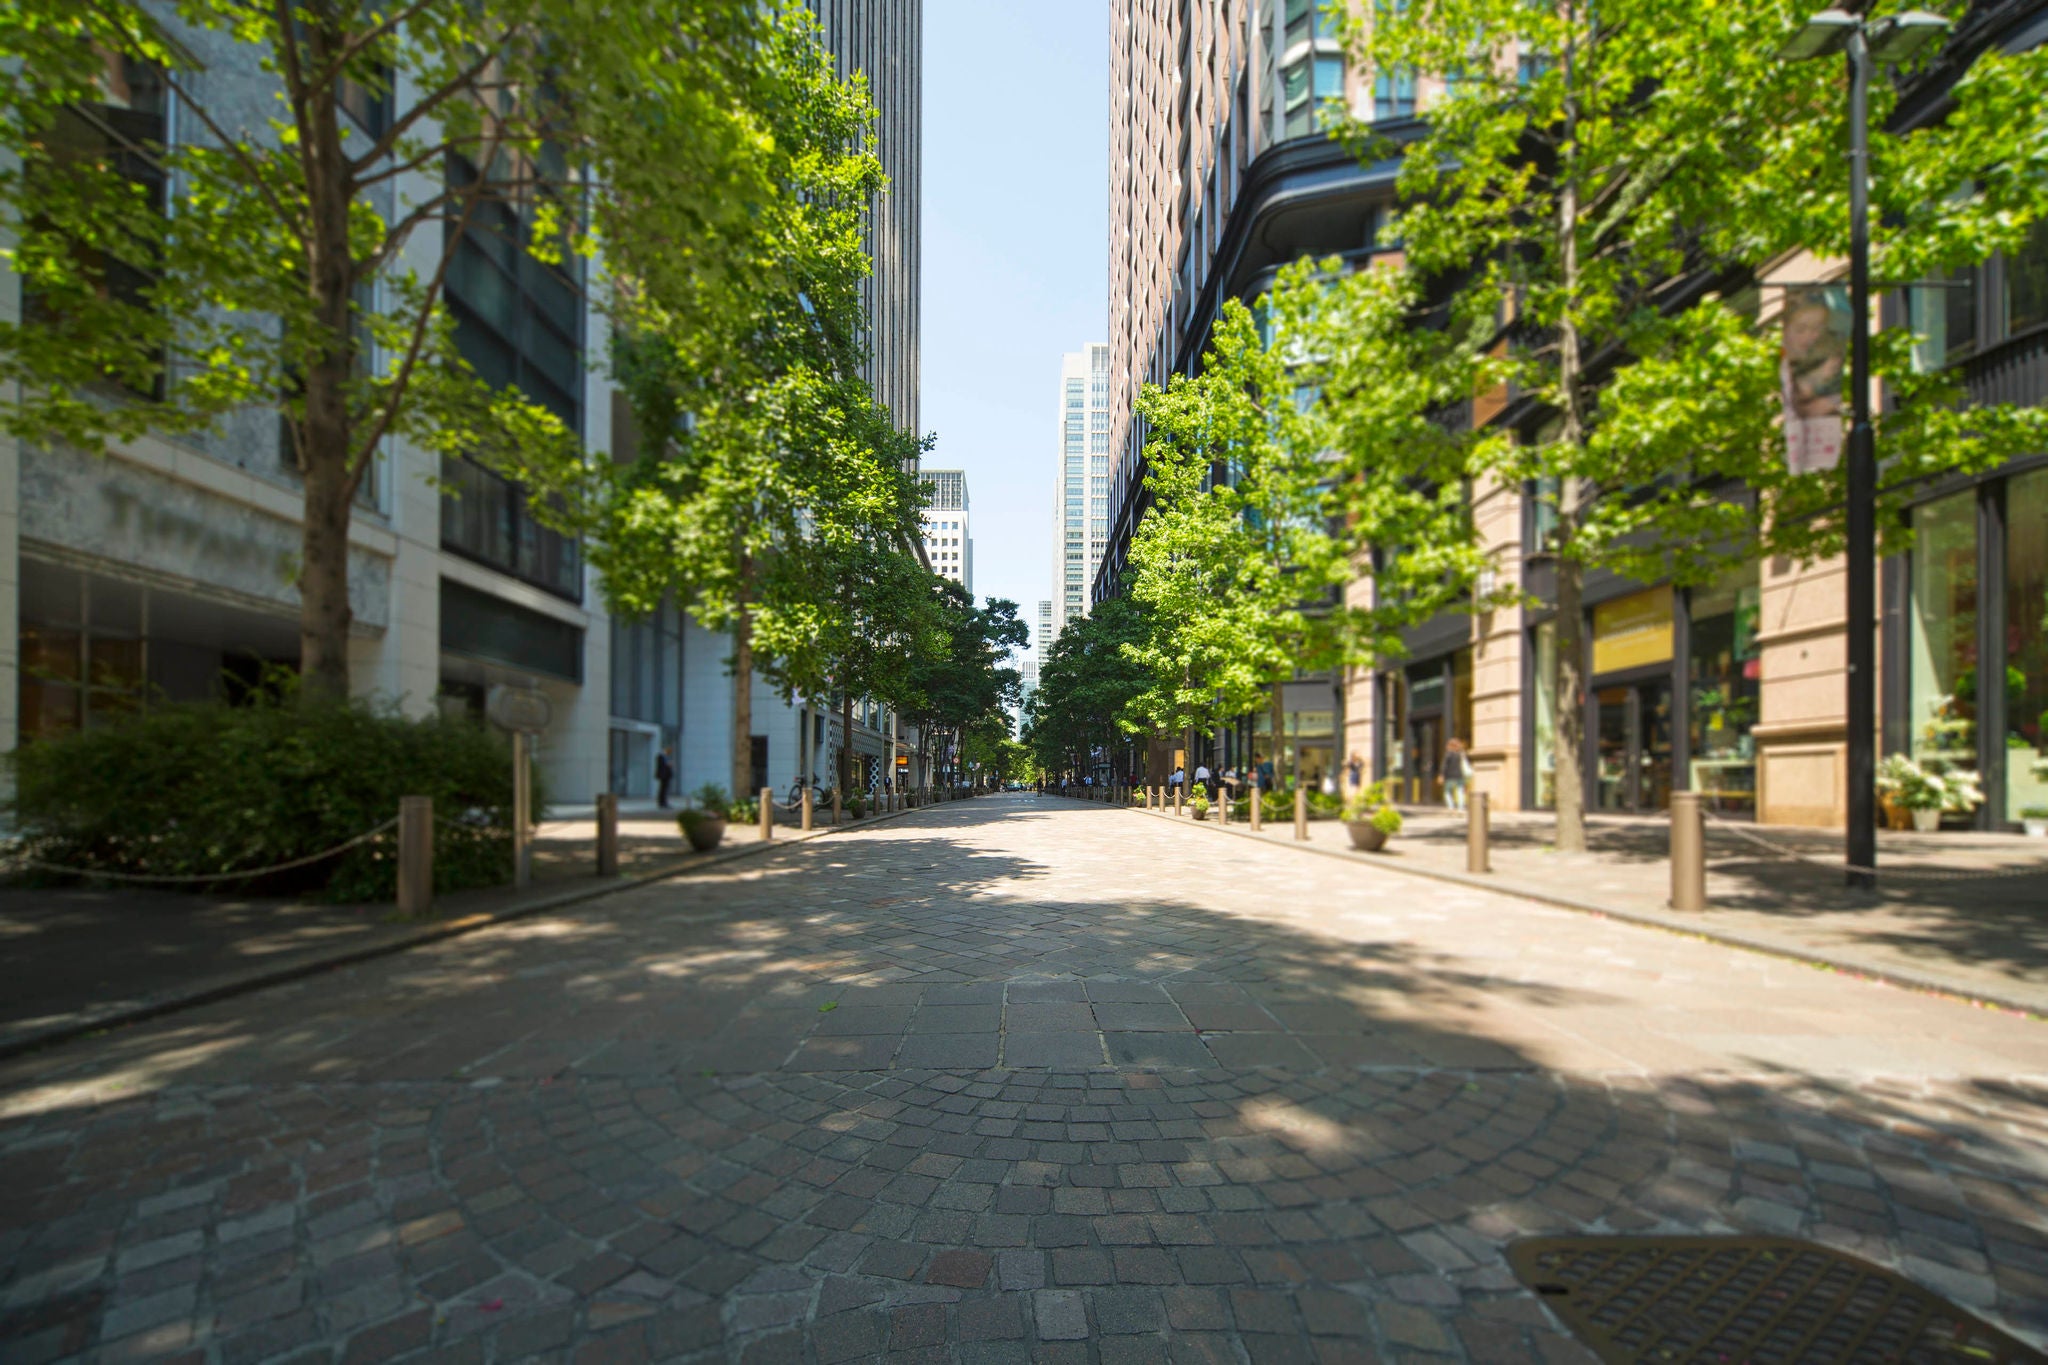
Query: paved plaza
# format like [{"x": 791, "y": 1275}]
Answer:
[{"x": 1014, "y": 1079}]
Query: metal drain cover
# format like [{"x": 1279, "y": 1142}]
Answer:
[{"x": 1747, "y": 1299}]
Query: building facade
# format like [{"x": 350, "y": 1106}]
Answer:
[
  {"x": 1736, "y": 689},
  {"x": 1081, "y": 481},
  {"x": 948, "y": 544},
  {"x": 166, "y": 570},
  {"x": 681, "y": 691}
]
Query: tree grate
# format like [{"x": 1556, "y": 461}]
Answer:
[{"x": 1759, "y": 1300}]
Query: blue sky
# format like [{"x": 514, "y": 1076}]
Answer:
[{"x": 1016, "y": 264}]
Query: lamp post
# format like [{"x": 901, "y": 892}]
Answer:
[{"x": 1867, "y": 42}]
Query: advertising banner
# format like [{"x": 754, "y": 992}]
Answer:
[{"x": 1811, "y": 371}]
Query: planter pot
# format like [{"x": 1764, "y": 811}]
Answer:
[
  {"x": 705, "y": 832},
  {"x": 1896, "y": 816},
  {"x": 1201, "y": 815},
  {"x": 1366, "y": 837},
  {"x": 1927, "y": 821},
  {"x": 2036, "y": 829}
]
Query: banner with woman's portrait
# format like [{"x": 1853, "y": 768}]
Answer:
[{"x": 1811, "y": 374}]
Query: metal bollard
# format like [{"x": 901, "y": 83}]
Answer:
[
  {"x": 809, "y": 822},
  {"x": 415, "y": 855},
  {"x": 522, "y": 809},
  {"x": 1478, "y": 834},
  {"x": 1176, "y": 800},
  {"x": 767, "y": 813},
  {"x": 607, "y": 834},
  {"x": 1301, "y": 813},
  {"x": 1255, "y": 810},
  {"x": 1688, "y": 852}
]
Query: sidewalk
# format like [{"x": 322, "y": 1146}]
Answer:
[
  {"x": 1983, "y": 938},
  {"x": 76, "y": 959}
]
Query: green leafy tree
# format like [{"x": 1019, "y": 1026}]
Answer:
[
  {"x": 883, "y": 624},
  {"x": 283, "y": 254},
  {"x": 1277, "y": 471},
  {"x": 1593, "y": 175},
  {"x": 1088, "y": 687},
  {"x": 964, "y": 685}
]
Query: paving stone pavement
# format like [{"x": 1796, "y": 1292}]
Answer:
[{"x": 1016, "y": 1079}]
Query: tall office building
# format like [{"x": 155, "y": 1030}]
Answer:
[
  {"x": 1042, "y": 639},
  {"x": 1081, "y": 507},
  {"x": 946, "y": 541},
  {"x": 884, "y": 40}
]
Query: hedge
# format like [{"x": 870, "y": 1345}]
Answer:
[{"x": 207, "y": 788}]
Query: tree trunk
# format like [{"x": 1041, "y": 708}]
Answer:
[
  {"x": 742, "y": 700},
  {"x": 1279, "y": 727},
  {"x": 1570, "y": 697},
  {"x": 325, "y": 433},
  {"x": 846, "y": 743}
]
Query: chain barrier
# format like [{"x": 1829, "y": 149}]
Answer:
[
  {"x": 188, "y": 878},
  {"x": 1926, "y": 874}
]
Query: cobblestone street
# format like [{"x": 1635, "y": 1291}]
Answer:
[{"x": 1014, "y": 1079}]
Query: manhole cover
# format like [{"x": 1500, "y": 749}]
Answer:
[{"x": 1746, "y": 1299}]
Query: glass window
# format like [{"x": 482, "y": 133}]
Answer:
[
  {"x": 1393, "y": 94},
  {"x": 1724, "y": 691},
  {"x": 1943, "y": 622},
  {"x": 2026, "y": 282},
  {"x": 1944, "y": 319},
  {"x": 1544, "y": 698},
  {"x": 2026, "y": 636}
]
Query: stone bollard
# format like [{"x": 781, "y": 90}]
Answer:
[
  {"x": 522, "y": 809},
  {"x": 415, "y": 855},
  {"x": 767, "y": 813},
  {"x": 1176, "y": 800},
  {"x": 1301, "y": 813},
  {"x": 835, "y": 808},
  {"x": 1688, "y": 852},
  {"x": 1257, "y": 823},
  {"x": 607, "y": 834},
  {"x": 809, "y": 817},
  {"x": 1478, "y": 833}
]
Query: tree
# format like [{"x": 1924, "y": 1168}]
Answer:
[
  {"x": 1087, "y": 689},
  {"x": 966, "y": 684},
  {"x": 1277, "y": 472},
  {"x": 1603, "y": 181},
  {"x": 294, "y": 257},
  {"x": 882, "y": 626},
  {"x": 763, "y": 460}
]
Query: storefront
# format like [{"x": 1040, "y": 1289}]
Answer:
[
  {"x": 1675, "y": 677},
  {"x": 1426, "y": 705},
  {"x": 1975, "y": 585}
]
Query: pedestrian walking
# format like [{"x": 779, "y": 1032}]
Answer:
[
  {"x": 1205, "y": 781},
  {"x": 1354, "y": 771},
  {"x": 664, "y": 777},
  {"x": 1266, "y": 775},
  {"x": 1180, "y": 776},
  {"x": 1456, "y": 772}
]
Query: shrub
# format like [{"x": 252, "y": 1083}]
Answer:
[
  {"x": 206, "y": 788},
  {"x": 1199, "y": 803},
  {"x": 1387, "y": 820}
]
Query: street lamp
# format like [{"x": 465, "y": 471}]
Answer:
[{"x": 1891, "y": 39}]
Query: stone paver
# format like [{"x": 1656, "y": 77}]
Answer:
[{"x": 1011, "y": 1079}]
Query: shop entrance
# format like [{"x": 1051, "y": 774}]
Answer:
[
  {"x": 1632, "y": 745},
  {"x": 1425, "y": 759}
]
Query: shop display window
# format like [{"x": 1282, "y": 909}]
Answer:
[
  {"x": 1942, "y": 682},
  {"x": 1545, "y": 695},
  {"x": 2026, "y": 642},
  {"x": 1724, "y": 690}
]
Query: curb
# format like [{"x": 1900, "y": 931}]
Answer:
[
  {"x": 248, "y": 983},
  {"x": 1786, "y": 952}
]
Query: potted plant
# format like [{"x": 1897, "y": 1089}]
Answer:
[
  {"x": 1198, "y": 805},
  {"x": 2034, "y": 819},
  {"x": 703, "y": 822},
  {"x": 1369, "y": 819},
  {"x": 1926, "y": 791},
  {"x": 856, "y": 807}
]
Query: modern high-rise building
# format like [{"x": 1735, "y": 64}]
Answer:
[
  {"x": 884, "y": 40},
  {"x": 1081, "y": 480},
  {"x": 1042, "y": 639},
  {"x": 946, "y": 540}
]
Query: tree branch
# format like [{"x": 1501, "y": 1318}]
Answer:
[{"x": 404, "y": 124}]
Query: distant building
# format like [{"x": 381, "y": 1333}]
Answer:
[
  {"x": 1042, "y": 639},
  {"x": 1081, "y": 482},
  {"x": 946, "y": 539}
]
